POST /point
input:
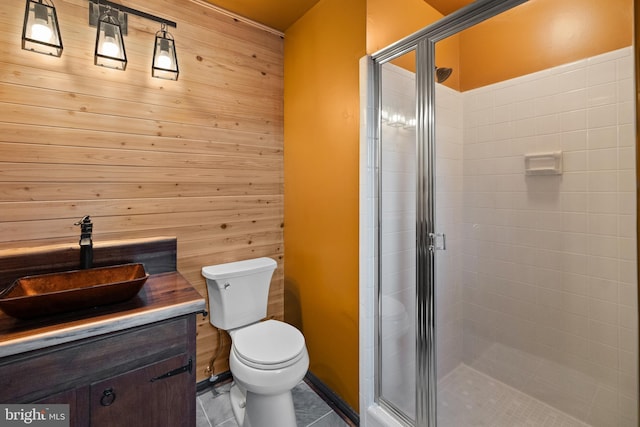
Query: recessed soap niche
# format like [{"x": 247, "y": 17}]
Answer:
[{"x": 543, "y": 163}]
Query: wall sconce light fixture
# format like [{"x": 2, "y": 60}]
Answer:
[
  {"x": 40, "y": 32},
  {"x": 165, "y": 62},
  {"x": 111, "y": 22},
  {"x": 110, "y": 51}
]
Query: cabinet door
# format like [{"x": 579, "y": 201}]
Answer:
[
  {"x": 134, "y": 399},
  {"x": 78, "y": 408}
]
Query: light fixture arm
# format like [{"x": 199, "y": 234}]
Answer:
[{"x": 141, "y": 14}]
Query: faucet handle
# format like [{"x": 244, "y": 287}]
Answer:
[
  {"x": 86, "y": 226},
  {"x": 84, "y": 220}
]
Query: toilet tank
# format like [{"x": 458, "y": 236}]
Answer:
[{"x": 238, "y": 291}]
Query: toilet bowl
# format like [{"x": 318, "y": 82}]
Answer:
[{"x": 268, "y": 358}]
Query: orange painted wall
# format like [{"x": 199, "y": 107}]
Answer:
[
  {"x": 541, "y": 34},
  {"x": 548, "y": 32},
  {"x": 388, "y": 22},
  {"x": 321, "y": 108}
]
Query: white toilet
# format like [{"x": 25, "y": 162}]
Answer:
[{"x": 267, "y": 358}]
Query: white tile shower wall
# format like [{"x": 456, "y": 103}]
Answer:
[{"x": 549, "y": 262}]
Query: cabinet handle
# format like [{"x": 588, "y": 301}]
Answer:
[{"x": 108, "y": 397}]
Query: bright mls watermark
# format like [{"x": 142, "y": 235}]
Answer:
[{"x": 34, "y": 415}]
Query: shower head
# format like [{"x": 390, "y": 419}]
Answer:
[{"x": 443, "y": 74}]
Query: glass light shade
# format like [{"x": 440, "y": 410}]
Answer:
[
  {"x": 165, "y": 62},
  {"x": 110, "y": 47},
  {"x": 40, "y": 32},
  {"x": 110, "y": 50}
]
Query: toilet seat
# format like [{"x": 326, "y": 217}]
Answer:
[{"x": 268, "y": 345}]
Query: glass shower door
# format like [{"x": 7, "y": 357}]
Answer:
[{"x": 397, "y": 238}]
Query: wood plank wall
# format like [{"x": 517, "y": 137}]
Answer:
[{"x": 200, "y": 159}]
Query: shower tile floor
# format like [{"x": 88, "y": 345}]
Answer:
[
  {"x": 214, "y": 409},
  {"x": 468, "y": 398}
]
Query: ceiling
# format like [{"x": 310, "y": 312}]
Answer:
[
  {"x": 447, "y": 7},
  {"x": 280, "y": 14}
]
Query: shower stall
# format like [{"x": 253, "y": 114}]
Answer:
[{"x": 498, "y": 262}]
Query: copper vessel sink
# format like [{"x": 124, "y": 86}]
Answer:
[{"x": 34, "y": 296}]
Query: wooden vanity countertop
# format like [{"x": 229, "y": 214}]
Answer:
[{"x": 163, "y": 296}]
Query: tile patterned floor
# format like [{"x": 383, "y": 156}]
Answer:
[
  {"x": 466, "y": 398},
  {"x": 470, "y": 398},
  {"x": 311, "y": 410}
]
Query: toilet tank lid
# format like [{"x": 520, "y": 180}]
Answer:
[{"x": 238, "y": 268}]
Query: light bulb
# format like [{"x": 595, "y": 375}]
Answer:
[
  {"x": 110, "y": 47},
  {"x": 40, "y": 31},
  {"x": 164, "y": 60}
]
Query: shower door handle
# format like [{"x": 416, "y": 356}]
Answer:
[{"x": 438, "y": 242}]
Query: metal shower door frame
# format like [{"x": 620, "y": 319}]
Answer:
[{"x": 423, "y": 43}]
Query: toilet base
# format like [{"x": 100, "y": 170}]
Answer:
[
  {"x": 238, "y": 402},
  {"x": 258, "y": 410}
]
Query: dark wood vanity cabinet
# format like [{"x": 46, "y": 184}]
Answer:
[{"x": 143, "y": 376}]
